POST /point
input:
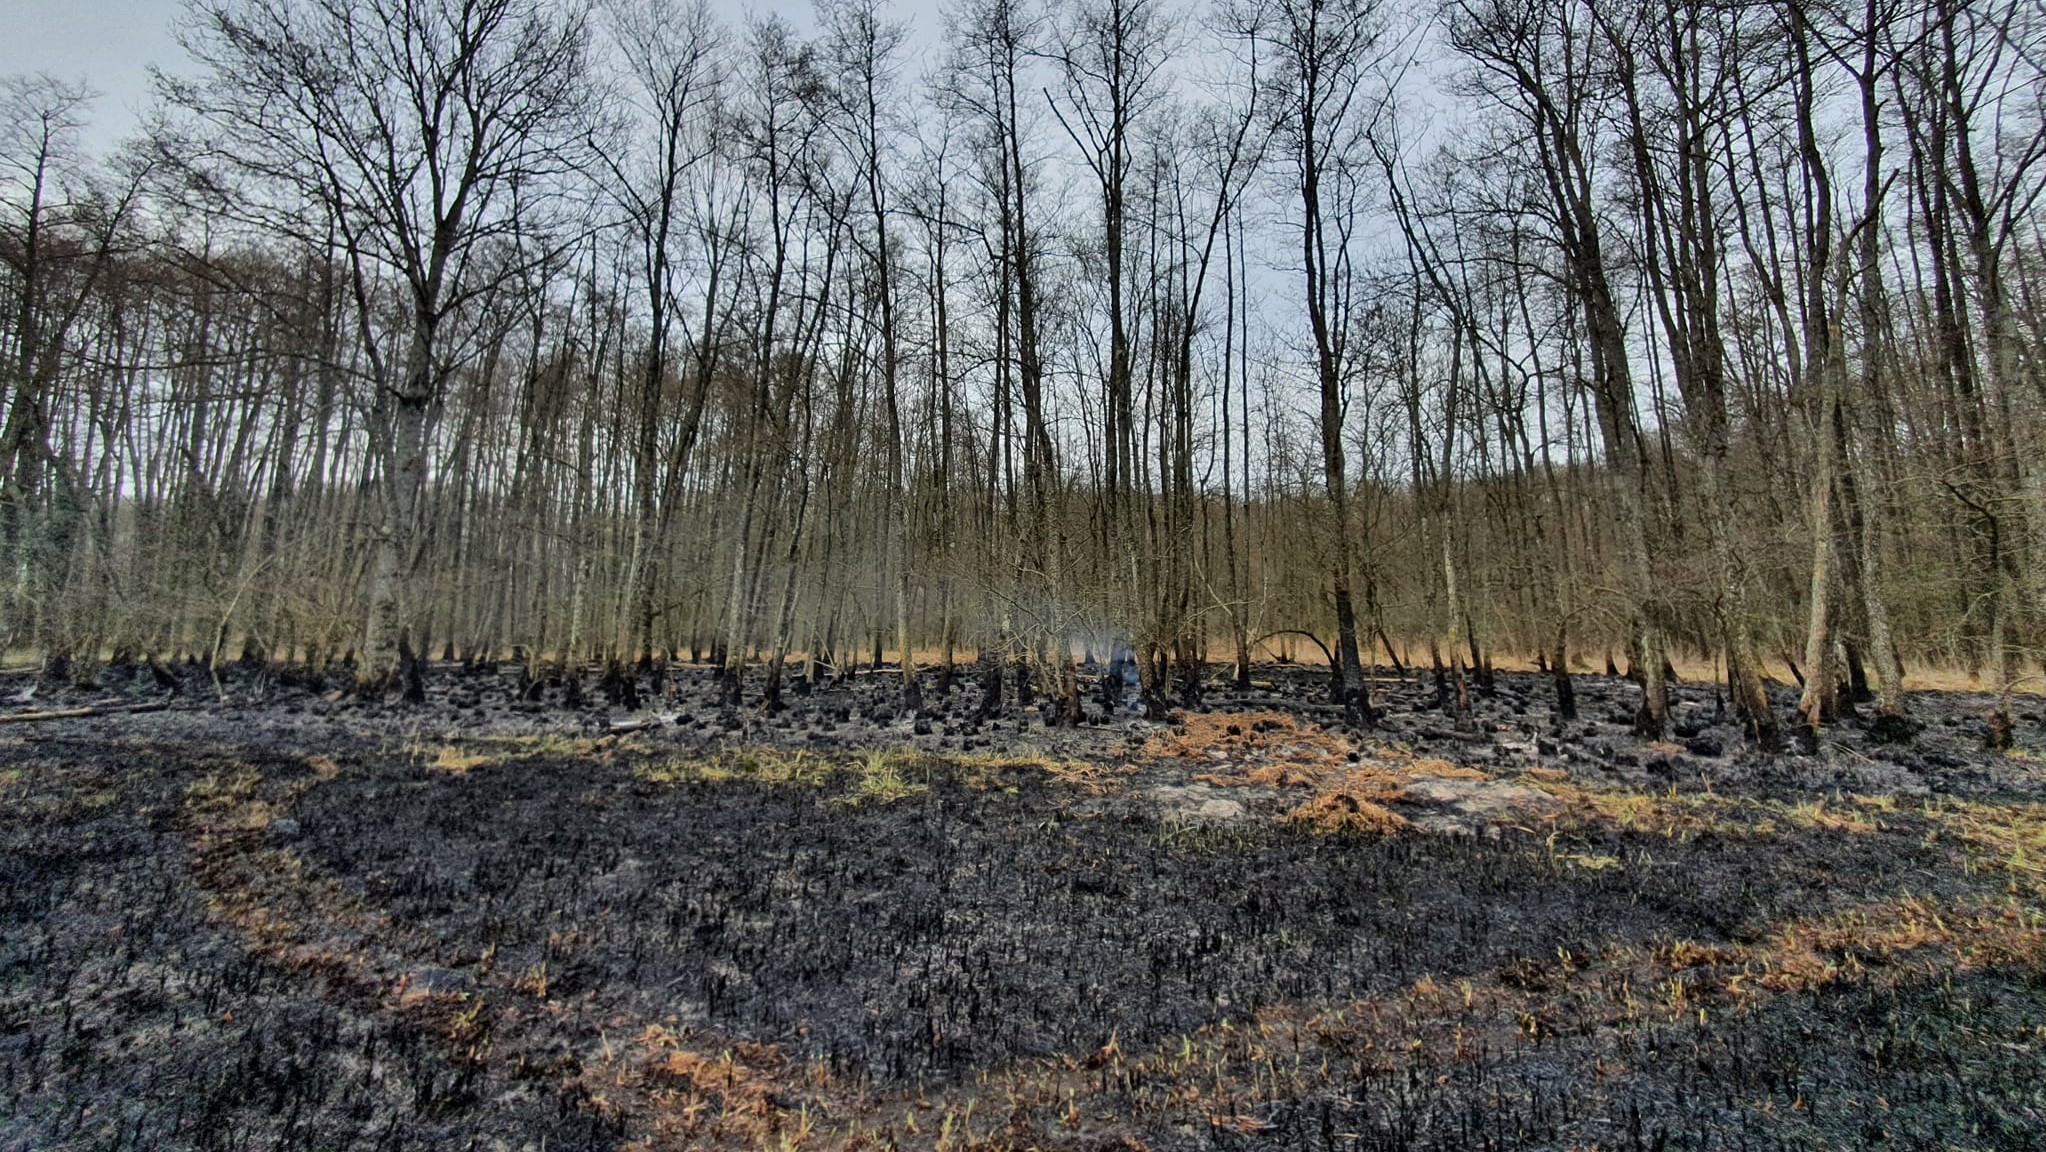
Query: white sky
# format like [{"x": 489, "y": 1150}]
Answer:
[
  {"x": 107, "y": 43},
  {"x": 110, "y": 44}
]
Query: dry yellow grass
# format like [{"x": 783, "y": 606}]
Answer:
[
  {"x": 454, "y": 760},
  {"x": 1907, "y": 934},
  {"x": 459, "y": 755},
  {"x": 1683, "y": 815},
  {"x": 997, "y": 769},
  {"x": 880, "y": 774},
  {"x": 2011, "y": 837},
  {"x": 754, "y": 763},
  {"x": 879, "y": 779},
  {"x": 1858, "y": 815}
]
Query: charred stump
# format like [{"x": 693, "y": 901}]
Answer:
[{"x": 990, "y": 688}]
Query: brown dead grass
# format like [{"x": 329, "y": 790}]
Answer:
[
  {"x": 261, "y": 889},
  {"x": 674, "y": 1093},
  {"x": 1214, "y": 736},
  {"x": 1258, "y": 749},
  {"x": 1095, "y": 778},
  {"x": 1333, "y": 813},
  {"x": 1350, "y": 787},
  {"x": 1444, "y": 769},
  {"x": 1917, "y": 677},
  {"x": 1907, "y": 935}
]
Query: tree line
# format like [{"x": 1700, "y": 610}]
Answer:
[{"x": 1590, "y": 333}]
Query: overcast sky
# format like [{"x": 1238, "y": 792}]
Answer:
[
  {"x": 107, "y": 43},
  {"x": 110, "y": 44}
]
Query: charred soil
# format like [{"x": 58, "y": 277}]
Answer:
[{"x": 501, "y": 919}]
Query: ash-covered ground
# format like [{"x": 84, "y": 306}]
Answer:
[{"x": 495, "y": 920}]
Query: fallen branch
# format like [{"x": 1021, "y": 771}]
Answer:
[
  {"x": 639, "y": 725},
  {"x": 87, "y": 710}
]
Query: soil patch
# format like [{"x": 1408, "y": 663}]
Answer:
[{"x": 305, "y": 924}]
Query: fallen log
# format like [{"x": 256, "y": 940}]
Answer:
[{"x": 83, "y": 711}]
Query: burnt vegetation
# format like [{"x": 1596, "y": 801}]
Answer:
[
  {"x": 432, "y": 926},
  {"x": 1087, "y": 574}
]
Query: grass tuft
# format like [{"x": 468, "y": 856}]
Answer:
[
  {"x": 879, "y": 779},
  {"x": 1339, "y": 813},
  {"x": 2009, "y": 837},
  {"x": 989, "y": 769},
  {"x": 757, "y": 764},
  {"x": 458, "y": 762}
]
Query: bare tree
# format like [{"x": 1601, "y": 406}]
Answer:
[
  {"x": 1675, "y": 70},
  {"x": 1324, "y": 95},
  {"x": 865, "y": 52},
  {"x": 1713, "y": 335},
  {"x": 429, "y": 130},
  {"x": 993, "y": 42},
  {"x": 671, "y": 59},
  {"x": 1110, "y": 56},
  {"x": 62, "y": 227},
  {"x": 1538, "y": 60}
]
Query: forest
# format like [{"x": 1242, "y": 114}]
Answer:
[
  {"x": 1028, "y": 576},
  {"x": 1576, "y": 335}
]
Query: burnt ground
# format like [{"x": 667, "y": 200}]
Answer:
[{"x": 299, "y": 921}]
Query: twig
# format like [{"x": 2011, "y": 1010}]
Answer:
[{"x": 88, "y": 710}]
